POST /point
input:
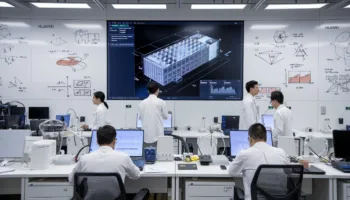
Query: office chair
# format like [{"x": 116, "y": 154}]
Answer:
[
  {"x": 277, "y": 182},
  {"x": 106, "y": 186}
]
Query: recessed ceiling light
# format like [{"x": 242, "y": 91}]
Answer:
[
  {"x": 295, "y": 6},
  {"x": 348, "y": 6},
  {"x": 218, "y": 6},
  {"x": 139, "y": 6},
  {"x": 61, "y": 5},
  {"x": 5, "y": 4}
]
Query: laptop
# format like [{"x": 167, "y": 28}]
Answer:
[
  {"x": 239, "y": 141},
  {"x": 64, "y": 118},
  {"x": 268, "y": 121},
  {"x": 129, "y": 141},
  {"x": 166, "y": 123}
]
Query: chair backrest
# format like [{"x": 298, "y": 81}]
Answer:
[
  {"x": 277, "y": 182},
  {"x": 93, "y": 186}
]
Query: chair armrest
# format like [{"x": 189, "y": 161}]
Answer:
[
  {"x": 239, "y": 194},
  {"x": 142, "y": 195}
]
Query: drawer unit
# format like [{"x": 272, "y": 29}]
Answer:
[{"x": 209, "y": 189}]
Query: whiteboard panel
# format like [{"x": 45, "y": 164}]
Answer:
[
  {"x": 281, "y": 56},
  {"x": 57, "y": 60},
  {"x": 334, "y": 63}
]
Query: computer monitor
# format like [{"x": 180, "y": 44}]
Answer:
[
  {"x": 229, "y": 122},
  {"x": 239, "y": 141},
  {"x": 166, "y": 123},
  {"x": 39, "y": 113},
  {"x": 12, "y": 143},
  {"x": 341, "y": 141},
  {"x": 268, "y": 121},
  {"x": 348, "y": 127},
  {"x": 128, "y": 141},
  {"x": 65, "y": 118}
]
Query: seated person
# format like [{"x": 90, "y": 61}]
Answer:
[
  {"x": 106, "y": 159},
  {"x": 248, "y": 160}
]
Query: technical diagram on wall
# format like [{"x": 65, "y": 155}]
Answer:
[
  {"x": 17, "y": 84},
  {"x": 265, "y": 92},
  {"x": 85, "y": 37},
  {"x": 9, "y": 60},
  {"x": 341, "y": 46},
  {"x": 6, "y": 49},
  {"x": 58, "y": 41},
  {"x": 280, "y": 37},
  {"x": 300, "y": 52},
  {"x": 299, "y": 77},
  {"x": 74, "y": 62},
  {"x": 338, "y": 84},
  {"x": 4, "y": 32},
  {"x": 271, "y": 57},
  {"x": 82, "y": 87},
  {"x": 61, "y": 86}
]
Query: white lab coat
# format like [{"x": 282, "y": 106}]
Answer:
[
  {"x": 100, "y": 117},
  {"x": 248, "y": 160},
  {"x": 249, "y": 112},
  {"x": 283, "y": 123},
  {"x": 153, "y": 111},
  {"x": 107, "y": 160}
]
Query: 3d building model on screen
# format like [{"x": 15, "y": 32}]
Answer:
[{"x": 171, "y": 63}]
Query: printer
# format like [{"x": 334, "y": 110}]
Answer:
[{"x": 43, "y": 154}]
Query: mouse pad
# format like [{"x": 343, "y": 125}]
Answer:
[{"x": 187, "y": 166}]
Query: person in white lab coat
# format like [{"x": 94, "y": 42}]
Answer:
[
  {"x": 153, "y": 111},
  {"x": 106, "y": 159},
  {"x": 248, "y": 160},
  {"x": 100, "y": 117},
  {"x": 282, "y": 117},
  {"x": 250, "y": 111}
]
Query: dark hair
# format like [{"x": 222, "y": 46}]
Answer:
[
  {"x": 250, "y": 84},
  {"x": 152, "y": 87},
  {"x": 257, "y": 131},
  {"x": 100, "y": 95},
  {"x": 106, "y": 135},
  {"x": 278, "y": 96}
]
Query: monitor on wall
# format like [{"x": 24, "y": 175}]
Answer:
[{"x": 189, "y": 60}]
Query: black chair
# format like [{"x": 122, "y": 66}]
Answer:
[
  {"x": 106, "y": 186},
  {"x": 277, "y": 182}
]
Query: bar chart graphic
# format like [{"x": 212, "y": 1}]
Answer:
[
  {"x": 299, "y": 77},
  {"x": 223, "y": 88}
]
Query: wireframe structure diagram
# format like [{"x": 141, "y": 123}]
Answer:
[
  {"x": 341, "y": 46},
  {"x": 85, "y": 37},
  {"x": 299, "y": 77},
  {"x": 338, "y": 83},
  {"x": 7, "y": 49},
  {"x": 4, "y": 32},
  {"x": 300, "y": 52},
  {"x": 74, "y": 62},
  {"x": 271, "y": 57},
  {"x": 17, "y": 83},
  {"x": 58, "y": 41},
  {"x": 171, "y": 63},
  {"x": 280, "y": 37},
  {"x": 9, "y": 60},
  {"x": 82, "y": 87},
  {"x": 61, "y": 86}
]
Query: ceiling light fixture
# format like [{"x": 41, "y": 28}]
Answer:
[
  {"x": 139, "y": 6},
  {"x": 295, "y": 6},
  {"x": 61, "y": 5},
  {"x": 217, "y": 6},
  {"x": 5, "y": 4}
]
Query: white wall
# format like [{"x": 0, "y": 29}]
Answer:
[{"x": 305, "y": 113}]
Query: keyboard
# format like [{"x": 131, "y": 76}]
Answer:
[
  {"x": 341, "y": 165},
  {"x": 139, "y": 163}
]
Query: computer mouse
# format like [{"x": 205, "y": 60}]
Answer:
[
  {"x": 177, "y": 159},
  {"x": 141, "y": 168},
  {"x": 223, "y": 167}
]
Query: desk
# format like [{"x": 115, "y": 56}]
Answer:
[{"x": 56, "y": 171}]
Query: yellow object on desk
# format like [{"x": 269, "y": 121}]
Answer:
[{"x": 194, "y": 158}]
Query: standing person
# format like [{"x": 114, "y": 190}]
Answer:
[
  {"x": 248, "y": 160},
  {"x": 100, "y": 117},
  {"x": 282, "y": 117},
  {"x": 153, "y": 111},
  {"x": 250, "y": 111}
]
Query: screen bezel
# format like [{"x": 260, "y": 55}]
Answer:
[{"x": 242, "y": 71}]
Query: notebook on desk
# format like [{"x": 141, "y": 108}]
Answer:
[{"x": 313, "y": 170}]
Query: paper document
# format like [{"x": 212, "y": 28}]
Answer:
[
  {"x": 6, "y": 169},
  {"x": 155, "y": 170}
]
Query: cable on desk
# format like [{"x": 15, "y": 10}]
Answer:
[
  {"x": 321, "y": 159},
  {"x": 76, "y": 156}
]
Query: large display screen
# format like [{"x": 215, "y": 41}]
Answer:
[{"x": 190, "y": 60}]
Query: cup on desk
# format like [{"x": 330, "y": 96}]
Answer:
[{"x": 304, "y": 162}]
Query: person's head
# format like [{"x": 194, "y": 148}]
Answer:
[
  {"x": 256, "y": 133},
  {"x": 99, "y": 97},
  {"x": 153, "y": 88},
  {"x": 252, "y": 87},
  {"x": 106, "y": 136},
  {"x": 276, "y": 99}
]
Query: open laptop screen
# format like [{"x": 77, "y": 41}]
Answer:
[
  {"x": 128, "y": 141},
  {"x": 166, "y": 123},
  {"x": 268, "y": 121},
  {"x": 239, "y": 141}
]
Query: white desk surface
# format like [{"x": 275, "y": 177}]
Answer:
[
  {"x": 20, "y": 170},
  {"x": 211, "y": 171}
]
